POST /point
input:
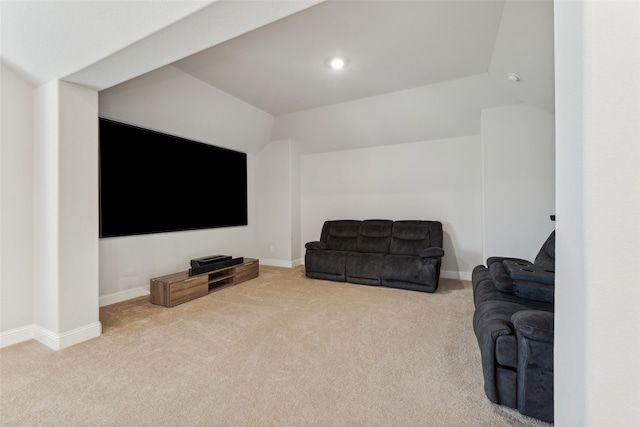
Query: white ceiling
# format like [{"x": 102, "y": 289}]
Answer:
[
  {"x": 47, "y": 40},
  {"x": 390, "y": 46},
  {"x": 272, "y": 54}
]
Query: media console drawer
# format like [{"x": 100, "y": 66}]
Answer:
[
  {"x": 248, "y": 270},
  {"x": 178, "y": 288}
]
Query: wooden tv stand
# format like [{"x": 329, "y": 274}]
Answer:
[{"x": 177, "y": 288}]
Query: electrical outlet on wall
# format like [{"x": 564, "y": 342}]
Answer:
[{"x": 272, "y": 249}]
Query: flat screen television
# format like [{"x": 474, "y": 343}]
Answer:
[{"x": 152, "y": 182}]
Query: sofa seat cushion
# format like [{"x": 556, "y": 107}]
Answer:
[
  {"x": 326, "y": 265},
  {"x": 364, "y": 268},
  {"x": 410, "y": 272}
]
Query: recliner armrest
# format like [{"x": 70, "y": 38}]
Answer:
[
  {"x": 499, "y": 259},
  {"x": 525, "y": 271},
  {"x": 501, "y": 278},
  {"x": 433, "y": 252},
  {"x": 316, "y": 246},
  {"x": 535, "y": 325},
  {"x": 536, "y": 287},
  {"x": 534, "y": 331}
]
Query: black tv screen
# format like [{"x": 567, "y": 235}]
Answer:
[{"x": 151, "y": 182}]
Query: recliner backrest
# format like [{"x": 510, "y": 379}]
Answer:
[
  {"x": 341, "y": 235},
  {"x": 410, "y": 237},
  {"x": 375, "y": 236},
  {"x": 546, "y": 257}
]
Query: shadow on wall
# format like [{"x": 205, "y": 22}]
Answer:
[
  {"x": 450, "y": 260},
  {"x": 457, "y": 264}
]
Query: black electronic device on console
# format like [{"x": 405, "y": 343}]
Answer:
[
  {"x": 211, "y": 263},
  {"x": 199, "y": 262}
]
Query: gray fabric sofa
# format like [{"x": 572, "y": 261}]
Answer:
[
  {"x": 513, "y": 323},
  {"x": 378, "y": 252}
]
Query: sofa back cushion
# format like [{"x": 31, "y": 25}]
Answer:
[
  {"x": 410, "y": 237},
  {"x": 375, "y": 236},
  {"x": 341, "y": 235},
  {"x": 546, "y": 258}
]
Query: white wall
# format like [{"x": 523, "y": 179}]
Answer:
[
  {"x": 518, "y": 160},
  {"x": 78, "y": 206},
  {"x": 570, "y": 358},
  {"x": 275, "y": 200},
  {"x": 170, "y": 101},
  {"x": 66, "y": 214},
  {"x": 127, "y": 263},
  {"x": 45, "y": 194},
  {"x": 431, "y": 180},
  {"x": 297, "y": 253},
  {"x": 597, "y": 350},
  {"x": 16, "y": 207},
  {"x": 524, "y": 46},
  {"x": 443, "y": 110}
]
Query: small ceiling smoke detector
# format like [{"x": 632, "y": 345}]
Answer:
[
  {"x": 337, "y": 63},
  {"x": 513, "y": 77}
]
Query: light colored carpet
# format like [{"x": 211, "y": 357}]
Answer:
[{"x": 279, "y": 350}]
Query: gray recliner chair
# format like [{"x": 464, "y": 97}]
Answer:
[{"x": 513, "y": 323}]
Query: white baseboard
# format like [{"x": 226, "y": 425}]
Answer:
[
  {"x": 276, "y": 263},
  {"x": 455, "y": 275},
  {"x": 69, "y": 338},
  {"x": 122, "y": 296},
  {"x": 15, "y": 336},
  {"x": 48, "y": 338}
]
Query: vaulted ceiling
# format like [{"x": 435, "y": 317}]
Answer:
[
  {"x": 389, "y": 46},
  {"x": 273, "y": 54}
]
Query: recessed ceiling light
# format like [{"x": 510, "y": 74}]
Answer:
[
  {"x": 513, "y": 77},
  {"x": 337, "y": 63}
]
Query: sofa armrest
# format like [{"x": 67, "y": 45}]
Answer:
[
  {"x": 433, "y": 252},
  {"x": 499, "y": 259},
  {"x": 518, "y": 270},
  {"x": 500, "y": 277},
  {"x": 316, "y": 246},
  {"x": 537, "y": 287},
  {"x": 535, "y": 325},
  {"x": 534, "y": 330}
]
